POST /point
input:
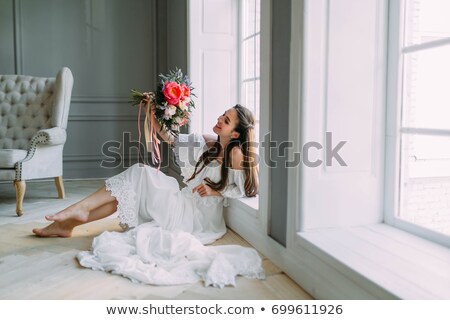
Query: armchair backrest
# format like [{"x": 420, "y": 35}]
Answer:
[{"x": 29, "y": 104}]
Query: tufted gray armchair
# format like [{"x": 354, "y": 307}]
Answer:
[{"x": 33, "y": 121}]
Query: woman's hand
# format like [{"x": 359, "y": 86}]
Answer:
[{"x": 205, "y": 190}]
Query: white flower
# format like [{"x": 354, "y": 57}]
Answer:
[
  {"x": 182, "y": 105},
  {"x": 167, "y": 115},
  {"x": 169, "y": 112},
  {"x": 172, "y": 109}
]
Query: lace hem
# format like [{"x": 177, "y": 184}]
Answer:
[{"x": 122, "y": 190}]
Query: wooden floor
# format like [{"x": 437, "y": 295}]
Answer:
[{"x": 37, "y": 268}]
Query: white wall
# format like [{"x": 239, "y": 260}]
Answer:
[
  {"x": 343, "y": 89},
  {"x": 212, "y": 59}
]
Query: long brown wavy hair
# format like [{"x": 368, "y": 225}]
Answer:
[{"x": 246, "y": 142}]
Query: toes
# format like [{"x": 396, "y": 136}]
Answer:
[{"x": 38, "y": 232}]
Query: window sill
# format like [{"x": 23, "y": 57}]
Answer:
[
  {"x": 384, "y": 260},
  {"x": 249, "y": 205}
]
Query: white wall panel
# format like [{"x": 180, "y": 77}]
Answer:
[
  {"x": 212, "y": 59},
  {"x": 343, "y": 88},
  {"x": 211, "y": 23},
  {"x": 216, "y": 90},
  {"x": 350, "y": 77}
]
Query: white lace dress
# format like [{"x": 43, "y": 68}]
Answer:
[{"x": 168, "y": 226}]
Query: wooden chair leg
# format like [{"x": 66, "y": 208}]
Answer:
[
  {"x": 20, "y": 193},
  {"x": 60, "y": 187}
]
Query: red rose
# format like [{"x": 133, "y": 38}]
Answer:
[
  {"x": 172, "y": 91},
  {"x": 185, "y": 90}
]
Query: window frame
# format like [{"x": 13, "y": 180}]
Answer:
[
  {"x": 241, "y": 79},
  {"x": 394, "y": 128}
]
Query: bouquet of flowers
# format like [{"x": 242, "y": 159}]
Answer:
[{"x": 170, "y": 105}]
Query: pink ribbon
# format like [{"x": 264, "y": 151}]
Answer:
[{"x": 151, "y": 138}]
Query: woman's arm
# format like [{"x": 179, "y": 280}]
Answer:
[
  {"x": 230, "y": 191},
  {"x": 237, "y": 158},
  {"x": 236, "y": 189},
  {"x": 209, "y": 138}
]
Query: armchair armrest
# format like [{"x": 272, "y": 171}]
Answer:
[
  {"x": 51, "y": 137},
  {"x": 44, "y": 158}
]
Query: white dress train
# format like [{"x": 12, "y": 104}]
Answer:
[{"x": 168, "y": 227}]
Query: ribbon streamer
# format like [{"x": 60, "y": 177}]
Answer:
[{"x": 151, "y": 139}]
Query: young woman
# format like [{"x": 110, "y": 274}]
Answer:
[{"x": 214, "y": 168}]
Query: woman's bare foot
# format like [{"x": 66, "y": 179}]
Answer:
[
  {"x": 96, "y": 206},
  {"x": 56, "y": 229},
  {"x": 63, "y": 222},
  {"x": 74, "y": 212}
]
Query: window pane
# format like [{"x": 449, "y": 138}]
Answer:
[
  {"x": 425, "y": 182},
  {"x": 248, "y": 55},
  {"x": 257, "y": 91},
  {"x": 420, "y": 149},
  {"x": 426, "y": 95},
  {"x": 426, "y": 20},
  {"x": 257, "y": 55},
  {"x": 249, "y": 95},
  {"x": 248, "y": 17},
  {"x": 258, "y": 16}
]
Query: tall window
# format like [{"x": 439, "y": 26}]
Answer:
[
  {"x": 424, "y": 117},
  {"x": 250, "y": 56}
]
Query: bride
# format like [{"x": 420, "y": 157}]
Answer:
[
  {"x": 168, "y": 227},
  {"x": 214, "y": 168}
]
